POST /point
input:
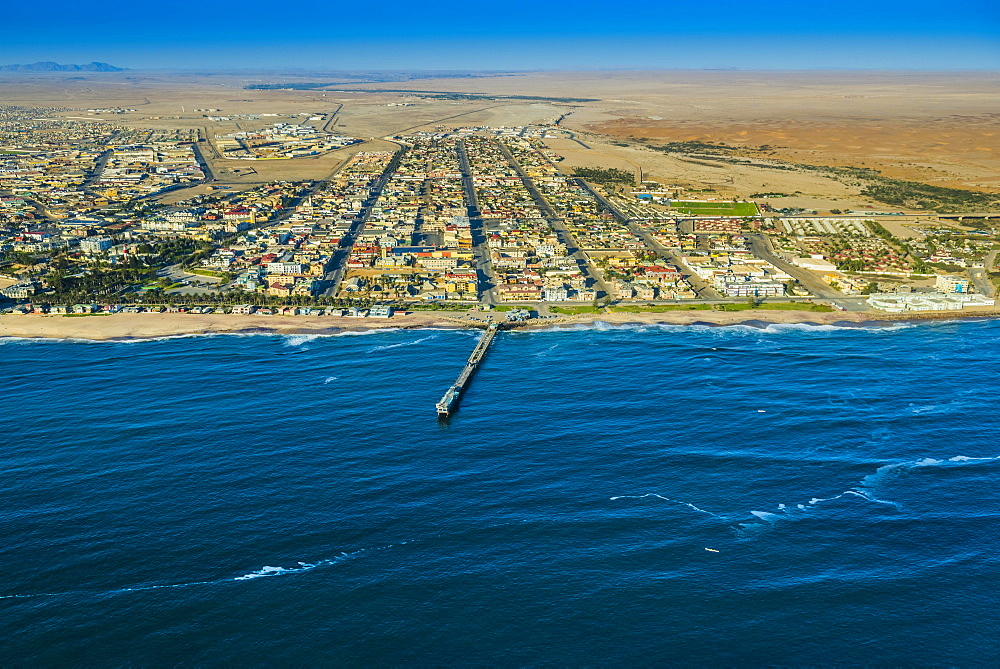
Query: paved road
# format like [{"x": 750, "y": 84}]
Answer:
[
  {"x": 572, "y": 135},
  {"x": 439, "y": 120},
  {"x": 485, "y": 274},
  {"x": 205, "y": 167},
  {"x": 701, "y": 288},
  {"x": 102, "y": 161},
  {"x": 338, "y": 264},
  {"x": 562, "y": 232},
  {"x": 42, "y": 216},
  {"x": 332, "y": 119},
  {"x": 761, "y": 247},
  {"x": 980, "y": 276},
  {"x": 95, "y": 172}
]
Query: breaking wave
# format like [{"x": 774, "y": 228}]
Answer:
[
  {"x": 868, "y": 489},
  {"x": 263, "y": 572}
]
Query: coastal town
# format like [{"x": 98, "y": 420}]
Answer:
[{"x": 97, "y": 217}]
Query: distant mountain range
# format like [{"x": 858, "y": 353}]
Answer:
[{"x": 49, "y": 66}]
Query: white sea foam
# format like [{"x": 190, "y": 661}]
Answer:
[
  {"x": 886, "y": 473},
  {"x": 896, "y": 327},
  {"x": 25, "y": 340},
  {"x": 943, "y": 407},
  {"x": 868, "y": 490},
  {"x": 402, "y": 343},
  {"x": 299, "y": 339},
  {"x": 264, "y": 572},
  {"x": 772, "y": 328},
  {"x": 544, "y": 353},
  {"x": 362, "y": 333},
  {"x": 726, "y": 329},
  {"x": 666, "y": 499}
]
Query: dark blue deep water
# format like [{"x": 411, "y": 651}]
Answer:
[{"x": 292, "y": 500}]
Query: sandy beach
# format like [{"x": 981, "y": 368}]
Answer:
[{"x": 151, "y": 325}]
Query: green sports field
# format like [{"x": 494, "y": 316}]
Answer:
[{"x": 699, "y": 208}]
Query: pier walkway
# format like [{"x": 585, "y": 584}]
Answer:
[{"x": 447, "y": 405}]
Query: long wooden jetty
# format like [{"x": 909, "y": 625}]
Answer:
[{"x": 448, "y": 404}]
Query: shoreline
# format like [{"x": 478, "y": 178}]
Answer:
[{"x": 133, "y": 327}]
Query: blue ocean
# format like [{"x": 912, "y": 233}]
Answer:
[{"x": 624, "y": 496}]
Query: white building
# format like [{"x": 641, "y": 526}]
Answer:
[
  {"x": 951, "y": 284},
  {"x": 21, "y": 291},
  {"x": 96, "y": 244},
  {"x": 284, "y": 268},
  {"x": 754, "y": 289},
  {"x": 555, "y": 295},
  {"x": 816, "y": 264},
  {"x": 899, "y": 302}
]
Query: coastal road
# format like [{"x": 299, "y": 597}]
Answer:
[
  {"x": 558, "y": 226},
  {"x": 761, "y": 247},
  {"x": 485, "y": 274}
]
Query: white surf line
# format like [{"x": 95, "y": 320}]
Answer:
[
  {"x": 865, "y": 489},
  {"x": 263, "y": 572},
  {"x": 667, "y": 499},
  {"x": 402, "y": 343}
]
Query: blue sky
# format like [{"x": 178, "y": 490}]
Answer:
[{"x": 517, "y": 34}]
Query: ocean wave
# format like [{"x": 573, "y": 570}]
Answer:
[
  {"x": 718, "y": 329},
  {"x": 299, "y": 339},
  {"x": 544, "y": 353},
  {"x": 943, "y": 407},
  {"x": 893, "y": 471},
  {"x": 666, "y": 499},
  {"x": 400, "y": 344},
  {"x": 363, "y": 333},
  {"x": 868, "y": 489},
  {"x": 263, "y": 572},
  {"x": 746, "y": 327}
]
